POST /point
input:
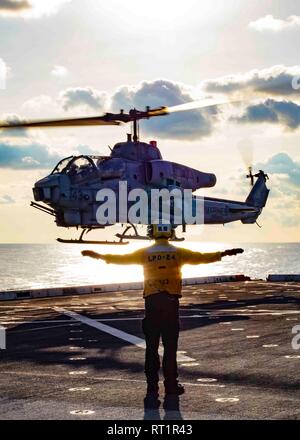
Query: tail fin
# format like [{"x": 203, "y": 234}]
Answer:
[{"x": 258, "y": 195}]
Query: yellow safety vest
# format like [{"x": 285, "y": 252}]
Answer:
[{"x": 162, "y": 264}]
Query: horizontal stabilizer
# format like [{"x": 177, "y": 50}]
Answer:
[{"x": 235, "y": 210}]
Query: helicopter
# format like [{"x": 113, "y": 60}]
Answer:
[{"x": 69, "y": 192}]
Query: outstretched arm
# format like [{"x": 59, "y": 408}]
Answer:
[
  {"x": 190, "y": 257},
  {"x": 134, "y": 258},
  {"x": 231, "y": 252}
]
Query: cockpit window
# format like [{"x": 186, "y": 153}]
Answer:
[
  {"x": 79, "y": 168},
  {"x": 62, "y": 165}
]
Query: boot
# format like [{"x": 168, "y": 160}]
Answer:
[{"x": 178, "y": 389}]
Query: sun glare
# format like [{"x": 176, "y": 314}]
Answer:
[
  {"x": 160, "y": 14},
  {"x": 88, "y": 271}
]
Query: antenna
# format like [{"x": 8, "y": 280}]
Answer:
[
  {"x": 135, "y": 131},
  {"x": 135, "y": 127}
]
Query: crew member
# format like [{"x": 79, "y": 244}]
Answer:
[{"x": 162, "y": 264}]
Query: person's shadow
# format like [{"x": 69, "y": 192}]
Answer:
[{"x": 171, "y": 406}]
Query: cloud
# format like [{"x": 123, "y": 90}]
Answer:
[
  {"x": 40, "y": 103},
  {"x": 189, "y": 125},
  {"x": 26, "y": 156},
  {"x": 275, "y": 80},
  {"x": 83, "y": 97},
  {"x": 86, "y": 149},
  {"x": 30, "y": 8},
  {"x": 60, "y": 71},
  {"x": 286, "y": 113},
  {"x": 284, "y": 166},
  {"x": 284, "y": 174},
  {"x": 279, "y": 81},
  {"x": 269, "y": 23},
  {"x": 193, "y": 124},
  {"x": 6, "y": 200},
  {"x": 12, "y": 118},
  {"x": 14, "y": 6}
]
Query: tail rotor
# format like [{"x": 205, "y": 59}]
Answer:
[
  {"x": 246, "y": 148},
  {"x": 250, "y": 176}
]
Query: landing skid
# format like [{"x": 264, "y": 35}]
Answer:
[
  {"x": 81, "y": 240},
  {"x": 62, "y": 240},
  {"x": 123, "y": 236}
]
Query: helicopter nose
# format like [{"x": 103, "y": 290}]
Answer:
[{"x": 47, "y": 189}]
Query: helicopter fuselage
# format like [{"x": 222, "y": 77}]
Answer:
[{"x": 72, "y": 189}]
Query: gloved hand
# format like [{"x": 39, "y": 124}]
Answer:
[
  {"x": 231, "y": 252},
  {"x": 91, "y": 254}
]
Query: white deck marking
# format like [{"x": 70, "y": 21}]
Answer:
[
  {"x": 219, "y": 314},
  {"x": 284, "y": 284},
  {"x": 138, "y": 342},
  {"x": 104, "y": 378},
  {"x": 82, "y": 412},
  {"x": 46, "y": 321},
  {"x": 79, "y": 389},
  {"x": 39, "y": 328}
]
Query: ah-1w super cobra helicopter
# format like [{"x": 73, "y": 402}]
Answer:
[{"x": 69, "y": 192}]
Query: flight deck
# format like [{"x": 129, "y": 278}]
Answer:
[{"x": 82, "y": 356}]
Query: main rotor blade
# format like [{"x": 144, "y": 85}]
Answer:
[
  {"x": 94, "y": 120},
  {"x": 117, "y": 118},
  {"x": 202, "y": 103}
]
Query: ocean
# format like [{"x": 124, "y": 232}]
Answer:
[{"x": 25, "y": 266}]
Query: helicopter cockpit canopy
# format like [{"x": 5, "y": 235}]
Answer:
[
  {"x": 60, "y": 167},
  {"x": 78, "y": 168}
]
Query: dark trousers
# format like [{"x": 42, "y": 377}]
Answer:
[{"x": 161, "y": 320}]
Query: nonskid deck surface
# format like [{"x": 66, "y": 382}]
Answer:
[{"x": 82, "y": 357}]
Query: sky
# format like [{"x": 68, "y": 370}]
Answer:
[{"x": 69, "y": 58}]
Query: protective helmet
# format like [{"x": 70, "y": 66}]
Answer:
[{"x": 162, "y": 231}]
